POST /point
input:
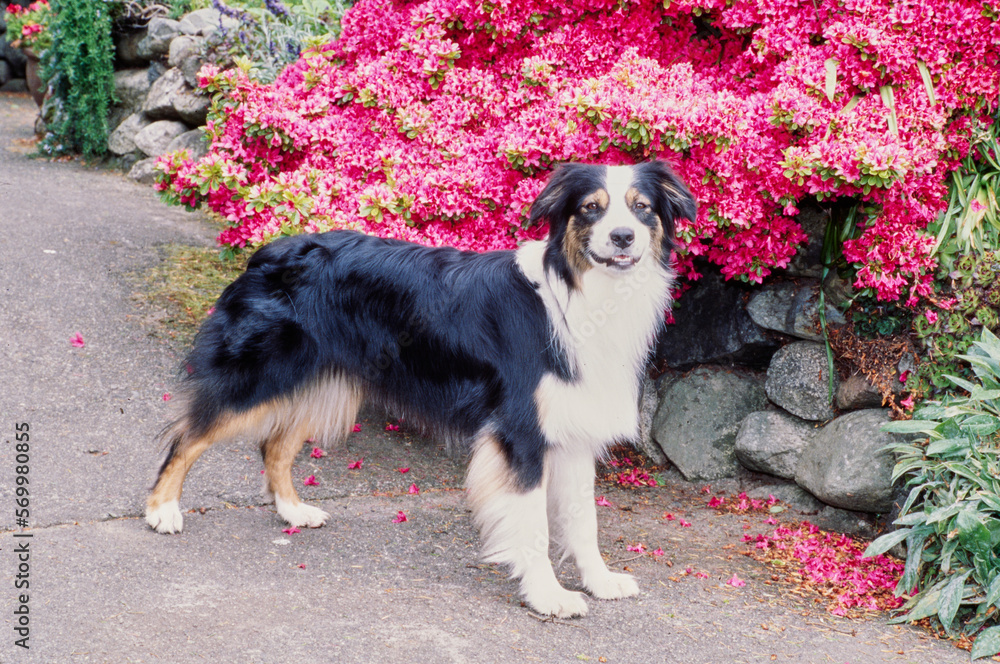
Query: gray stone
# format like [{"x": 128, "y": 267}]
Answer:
[
  {"x": 143, "y": 171},
  {"x": 15, "y": 57},
  {"x": 790, "y": 496},
  {"x": 698, "y": 417},
  {"x": 793, "y": 308},
  {"x": 648, "y": 402},
  {"x": 797, "y": 380},
  {"x": 808, "y": 259},
  {"x": 159, "y": 33},
  {"x": 183, "y": 47},
  {"x": 127, "y": 47},
  {"x": 712, "y": 325},
  {"x": 206, "y": 21},
  {"x": 122, "y": 140},
  {"x": 191, "y": 106},
  {"x": 771, "y": 441},
  {"x": 131, "y": 88},
  {"x": 846, "y": 464},
  {"x": 193, "y": 141},
  {"x": 844, "y": 521},
  {"x": 190, "y": 67},
  {"x": 154, "y": 139},
  {"x": 856, "y": 393},
  {"x": 6, "y": 72},
  {"x": 159, "y": 103}
]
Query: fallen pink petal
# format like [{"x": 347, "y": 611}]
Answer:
[
  {"x": 291, "y": 531},
  {"x": 414, "y": 489},
  {"x": 357, "y": 427},
  {"x": 684, "y": 524},
  {"x": 166, "y": 396},
  {"x": 317, "y": 453},
  {"x": 400, "y": 517},
  {"x": 355, "y": 465},
  {"x": 736, "y": 582},
  {"x": 310, "y": 481},
  {"x": 701, "y": 575},
  {"x": 669, "y": 517},
  {"x": 302, "y": 566},
  {"x": 603, "y": 502},
  {"x": 392, "y": 427},
  {"x": 658, "y": 552},
  {"x": 77, "y": 341},
  {"x": 638, "y": 548}
]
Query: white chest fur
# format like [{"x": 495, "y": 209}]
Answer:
[{"x": 605, "y": 328}]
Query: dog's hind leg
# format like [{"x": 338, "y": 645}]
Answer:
[
  {"x": 573, "y": 517},
  {"x": 514, "y": 530},
  {"x": 185, "y": 446},
  {"x": 327, "y": 408}
]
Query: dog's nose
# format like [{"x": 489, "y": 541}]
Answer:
[{"x": 622, "y": 237}]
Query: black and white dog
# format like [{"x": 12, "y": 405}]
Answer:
[{"x": 535, "y": 355}]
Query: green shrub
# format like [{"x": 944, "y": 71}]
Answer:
[
  {"x": 80, "y": 69},
  {"x": 951, "y": 518}
]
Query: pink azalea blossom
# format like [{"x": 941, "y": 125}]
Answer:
[
  {"x": 291, "y": 531},
  {"x": 392, "y": 427},
  {"x": 701, "y": 575},
  {"x": 317, "y": 453},
  {"x": 404, "y": 470},
  {"x": 310, "y": 481},
  {"x": 77, "y": 341},
  {"x": 716, "y": 501},
  {"x": 357, "y": 427},
  {"x": 166, "y": 396},
  {"x": 736, "y": 582},
  {"x": 638, "y": 548},
  {"x": 355, "y": 465},
  {"x": 414, "y": 489},
  {"x": 669, "y": 517},
  {"x": 658, "y": 552},
  {"x": 931, "y": 316},
  {"x": 400, "y": 517},
  {"x": 907, "y": 403},
  {"x": 684, "y": 524},
  {"x": 603, "y": 502}
]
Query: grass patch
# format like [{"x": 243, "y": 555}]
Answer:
[{"x": 186, "y": 284}]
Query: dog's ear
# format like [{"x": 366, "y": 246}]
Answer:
[
  {"x": 671, "y": 198},
  {"x": 554, "y": 203}
]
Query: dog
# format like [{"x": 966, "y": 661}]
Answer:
[{"x": 535, "y": 356}]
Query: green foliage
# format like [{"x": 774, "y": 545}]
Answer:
[
  {"x": 951, "y": 519},
  {"x": 873, "y": 319},
  {"x": 973, "y": 292},
  {"x": 80, "y": 69},
  {"x": 272, "y": 33}
]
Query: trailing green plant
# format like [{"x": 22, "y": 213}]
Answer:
[
  {"x": 951, "y": 518},
  {"x": 80, "y": 70}
]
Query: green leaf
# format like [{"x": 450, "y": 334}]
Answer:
[
  {"x": 886, "y": 542},
  {"x": 890, "y": 103},
  {"x": 831, "y": 78},
  {"x": 926, "y": 606},
  {"x": 951, "y": 599},
  {"x": 946, "y": 446},
  {"x": 928, "y": 427},
  {"x": 928, "y": 83},
  {"x": 942, "y": 513},
  {"x": 993, "y": 594},
  {"x": 987, "y": 643}
]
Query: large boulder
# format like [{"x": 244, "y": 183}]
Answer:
[
  {"x": 699, "y": 415},
  {"x": 182, "y": 48},
  {"x": 206, "y": 21},
  {"x": 648, "y": 402},
  {"x": 846, "y": 464},
  {"x": 191, "y": 106},
  {"x": 712, "y": 325},
  {"x": 155, "y": 138},
  {"x": 798, "y": 381},
  {"x": 122, "y": 140},
  {"x": 159, "y": 103},
  {"x": 771, "y": 442},
  {"x": 793, "y": 308},
  {"x": 127, "y": 47},
  {"x": 193, "y": 141},
  {"x": 159, "y": 33}
]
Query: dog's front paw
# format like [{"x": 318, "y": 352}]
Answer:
[
  {"x": 166, "y": 518},
  {"x": 557, "y": 602},
  {"x": 610, "y": 585},
  {"x": 300, "y": 515}
]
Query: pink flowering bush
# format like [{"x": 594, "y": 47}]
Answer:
[{"x": 438, "y": 121}]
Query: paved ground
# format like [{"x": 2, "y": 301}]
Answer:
[{"x": 233, "y": 587}]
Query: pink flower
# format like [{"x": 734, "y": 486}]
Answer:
[
  {"x": 414, "y": 489},
  {"x": 357, "y": 427},
  {"x": 77, "y": 341},
  {"x": 715, "y": 501},
  {"x": 211, "y": 310},
  {"x": 658, "y": 552},
  {"x": 404, "y": 470},
  {"x": 638, "y": 548},
  {"x": 736, "y": 582},
  {"x": 669, "y": 517},
  {"x": 931, "y": 316},
  {"x": 291, "y": 531},
  {"x": 701, "y": 575},
  {"x": 355, "y": 465},
  {"x": 603, "y": 502},
  {"x": 166, "y": 396},
  {"x": 903, "y": 376},
  {"x": 392, "y": 427},
  {"x": 684, "y": 524},
  {"x": 400, "y": 517},
  {"x": 317, "y": 453},
  {"x": 771, "y": 521},
  {"x": 310, "y": 481},
  {"x": 302, "y": 565},
  {"x": 907, "y": 403}
]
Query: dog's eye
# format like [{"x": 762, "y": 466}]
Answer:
[
  {"x": 591, "y": 206},
  {"x": 641, "y": 206}
]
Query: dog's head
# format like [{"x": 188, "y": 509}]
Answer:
[{"x": 610, "y": 217}]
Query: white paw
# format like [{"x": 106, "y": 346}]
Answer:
[
  {"x": 300, "y": 514},
  {"x": 542, "y": 592},
  {"x": 609, "y": 585},
  {"x": 166, "y": 518}
]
